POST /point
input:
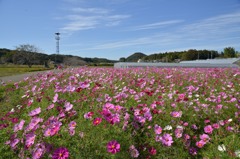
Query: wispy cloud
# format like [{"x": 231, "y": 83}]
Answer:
[
  {"x": 210, "y": 33},
  {"x": 91, "y": 10},
  {"x": 156, "y": 25},
  {"x": 219, "y": 26},
  {"x": 88, "y": 18}
]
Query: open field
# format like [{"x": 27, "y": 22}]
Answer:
[
  {"x": 122, "y": 113},
  {"x": 8, "y": 70}
]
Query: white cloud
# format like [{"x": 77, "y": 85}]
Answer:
[
  {"x": 156, "y": 25},
  {"x": 88, "y": 18}
]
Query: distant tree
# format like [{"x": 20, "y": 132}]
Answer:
[
  {"x": 74, "y": 61},
  {"x": 7, "y": 57},
  {"x": 27, "y": 53},
  {"x": 229, "y": 52},
  {"x": 122, "y": 59}
]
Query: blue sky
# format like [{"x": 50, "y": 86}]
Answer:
[{"x": 117, "y": 28}]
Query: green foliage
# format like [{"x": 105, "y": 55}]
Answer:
[
  {"x": 122, "y": 59},
  {"x": 135, "y": 57},
  {"x": 191, "y": 54},
  {"x": 229, "y": 52},
  {"x": 30, "y": 55}
]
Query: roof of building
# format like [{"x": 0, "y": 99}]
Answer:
[{"x": 215, "y": 63}]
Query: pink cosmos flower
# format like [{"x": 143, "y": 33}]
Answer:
[
  {"x": 68, "y": 106},
  {"x": 84, "y": 85},
  {"x": 52, "y": 129},
  {"x": 204, "y": 137},
  {"x": 176, "y": 114},
  {"x": 71, "y": 132},
  {"x": 157, "y": 129},
  {"x": 108, "y": 106},
  {"x": 35, "y": 112},
  {"x": 200, "y": 143},
  {"x": 50, "y": 106},
  {"x": 72, "y": 125},
  {"x": 167, "y": 140},
  {"x": 19, "y": 126},
  {"x": 181, "y": 96},
  {"x": 97, "y": 121},
  {"x": 113, "y": 147},
  {"x": 37, "y": 154},
  {"x": 60, "y": 153},
  {"x": 88, "y": 115},
  {"x": 118, "y": 108},
  {"x": 186, "y": 137},
  {"x": 47, "y": 132},
  {"x": 30, "y": 102},
  {"x": 178, "y": 132},
  {"x": 133, "y": 151},
  {"x": 14, "y": 142},
  {"x": 216, "y": 126},
  {"x": 34, "y": 122},
  {"x": 30, "y": 138},
  {"x": 208, "y": 129}
]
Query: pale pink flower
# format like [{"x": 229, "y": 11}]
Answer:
[
  {"x": 68, "y": 106},
  {"x": 35, "y": 112},
  {"x": 19, "y": 126},
  {"x": 55, "y": 98},
  {"x": 204, "y": 137},
  {"x": 176, "y": 114},
  {"x": 72, "y": 124},
  {"x": 30, "y": 138},
  {"x": 157, "y": 129},
  {"x": 167, "y": 140},
  {"x": 50, "y": 106},
  {"x": 133, "y": 151}
]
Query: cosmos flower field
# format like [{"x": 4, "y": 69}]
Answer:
[{"x": 123, "y": 113}]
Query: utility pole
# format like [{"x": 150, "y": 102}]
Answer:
[{"x": 57, "y": 37}]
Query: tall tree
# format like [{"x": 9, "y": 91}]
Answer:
[
  {"x": 229, "y": 52},
  {"x": 27, "y": 53}
]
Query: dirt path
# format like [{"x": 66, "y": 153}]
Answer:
[{"x": 17, "y": 78}]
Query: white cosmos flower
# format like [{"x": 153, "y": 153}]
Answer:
[
  {"x": 221, "y": 148},
  {"x": 237, "y": 153},
  {"x": 180, "y": 127},
  {"x": 168, "y": 127}
]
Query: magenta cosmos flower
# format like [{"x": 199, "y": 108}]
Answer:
[
  {"x": 97, "y": 121},
  {"x": 60, "y": 153},
  {"x": 113, "y": 147}
]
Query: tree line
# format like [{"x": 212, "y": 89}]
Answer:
[
  {"x": 27, "y": 54},
  {"x": 176, "y": 56}
]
